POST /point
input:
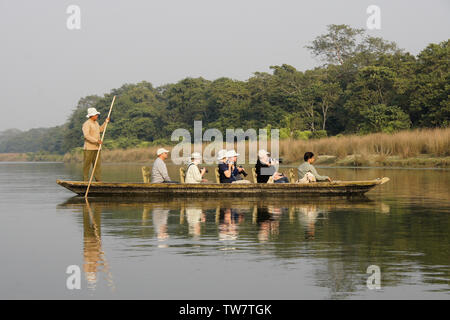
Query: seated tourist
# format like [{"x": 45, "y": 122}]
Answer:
[
  {"x": 306, "y": 171},
  {"x": 224, "y": 168},
  {"x": 236, "y": 170},
  {"x": 265, "y": 168},
  {"x": 193, "y": 173},
  {"x": 159, "y": 170}
]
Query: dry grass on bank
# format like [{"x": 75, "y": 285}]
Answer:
[
  {"x": 119, "y": 155},
  {"x": 374, "y": 148},
  {"x": 13, "y": 157},
  {"x": 404, "y": 144}
]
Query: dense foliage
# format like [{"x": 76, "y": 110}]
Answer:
[{"x": 366, "y": 85}]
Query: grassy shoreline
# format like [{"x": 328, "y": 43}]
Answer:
[
  {"x": 353, "y": 161},
  {"x": 423, "y": 162},
  {"x": 421, "y": 148}
]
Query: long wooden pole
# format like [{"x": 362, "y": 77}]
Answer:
[{"x": 99, "y": 149}]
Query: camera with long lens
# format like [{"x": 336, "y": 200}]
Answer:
[
  {"x": 279, "y": 160},
  {"x": 243, "y": 171}
]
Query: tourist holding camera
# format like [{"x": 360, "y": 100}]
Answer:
[
  {"x": 193, "y": 173},
  {"x": 235, "y": 170},
  {"x": 229, "y": 172},
  {"x": 266, "y": 168}
]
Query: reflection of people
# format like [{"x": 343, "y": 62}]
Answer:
[
  {"x": 229, "y": 219},
  {"x": 159, "y": 218},
  {"x": 92, "y": 245},
  {"x": 265, "y": 168},
  {"x": 92, "y": 142},
  {"x": 308, "y": 216},
  {"x": 268, "y": 222},
  {"x": 306, "y": 171},
  {"x": 193, "y": 173},
  {"x": 195, "y": 217}
]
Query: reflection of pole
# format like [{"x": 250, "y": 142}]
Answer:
[
  {"x": 217, "y": 214},
  {"x": 291, "y": 214},
  {"x": 145, "y": 214},
  {"x": 182, "y": 214},
  {"x": 99, "y": 243},
  {"x": 255, "y": 214}
]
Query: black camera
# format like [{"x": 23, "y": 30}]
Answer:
[
  {"x": 243, "y": 171},
  {"x": 279, "y": 160}
]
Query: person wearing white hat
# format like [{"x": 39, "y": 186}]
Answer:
[
  {"x": 221, "y": 155},
  {"x": 193, "y": 173},
  {"x": 228, "y": 171},
  {"x": 236, "y": 170},
  {"x": 266, "y": 167},
  {"x": 91, "y": 132},
  {"x": 159, "y": 170},
  {"x": 224, "y": 167},
  {"x": 224, "y": 170}
]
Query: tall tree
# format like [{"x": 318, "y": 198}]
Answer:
[
  {"x": 430, "y": 105},
  {"x": 336, "y": 46}
]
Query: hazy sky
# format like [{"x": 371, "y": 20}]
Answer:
[{"x": 45, "y": 68}]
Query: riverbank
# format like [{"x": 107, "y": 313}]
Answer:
[
  {"x": 30, "y": 157},
  {"x": 421, "y": 148},
  {"x": 423, "y": 161}
]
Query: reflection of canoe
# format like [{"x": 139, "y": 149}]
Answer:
[
  {"x": 247, "y": 203},
  {"x": 335, "y": 188}
]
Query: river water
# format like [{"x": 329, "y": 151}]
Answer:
[{"x": 217, "y": 248}]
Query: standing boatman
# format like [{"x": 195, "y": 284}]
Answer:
[{"x": 92, "y": 142}]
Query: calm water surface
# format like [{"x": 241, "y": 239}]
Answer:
[{"x": 221, "y": 248}]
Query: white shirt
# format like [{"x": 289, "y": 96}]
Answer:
[{"x": 193, "y": 174}]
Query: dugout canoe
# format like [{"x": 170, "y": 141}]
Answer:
[{"x": 111, "y": 189}]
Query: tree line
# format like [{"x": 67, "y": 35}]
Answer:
[{"x": 365, "y": 85}]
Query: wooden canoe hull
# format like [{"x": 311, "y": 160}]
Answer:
[{"x": 335, "y": 188}]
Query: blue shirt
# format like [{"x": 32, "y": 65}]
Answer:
[{"x": 223, "y": 179}]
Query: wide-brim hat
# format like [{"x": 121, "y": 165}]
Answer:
[
  {"x": 196, "y": 155},
  {"x": 231, "y": 154},
  {"x": 221, "y": 154},
  {"x": 161, "y": 151},
  {"x": 262, "y": 153},
  {"x": 92, "y": 112}
]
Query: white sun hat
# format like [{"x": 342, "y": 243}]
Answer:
[
  {"x": 161, "y": 150},
  {"x": 262, "y": 153},
  {"x": 196, "y": 155},
  {"x": 92, "y": 112},
  {"x": 231, "y": 153},
  {"x": 221, "y": 154}
]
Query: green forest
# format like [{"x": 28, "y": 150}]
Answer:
[{"x": 364, "y": 85}]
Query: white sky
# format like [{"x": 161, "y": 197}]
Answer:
[{"x": 46, "y": 68}]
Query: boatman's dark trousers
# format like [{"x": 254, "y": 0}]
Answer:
[{"x": 89, "y": 161}]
